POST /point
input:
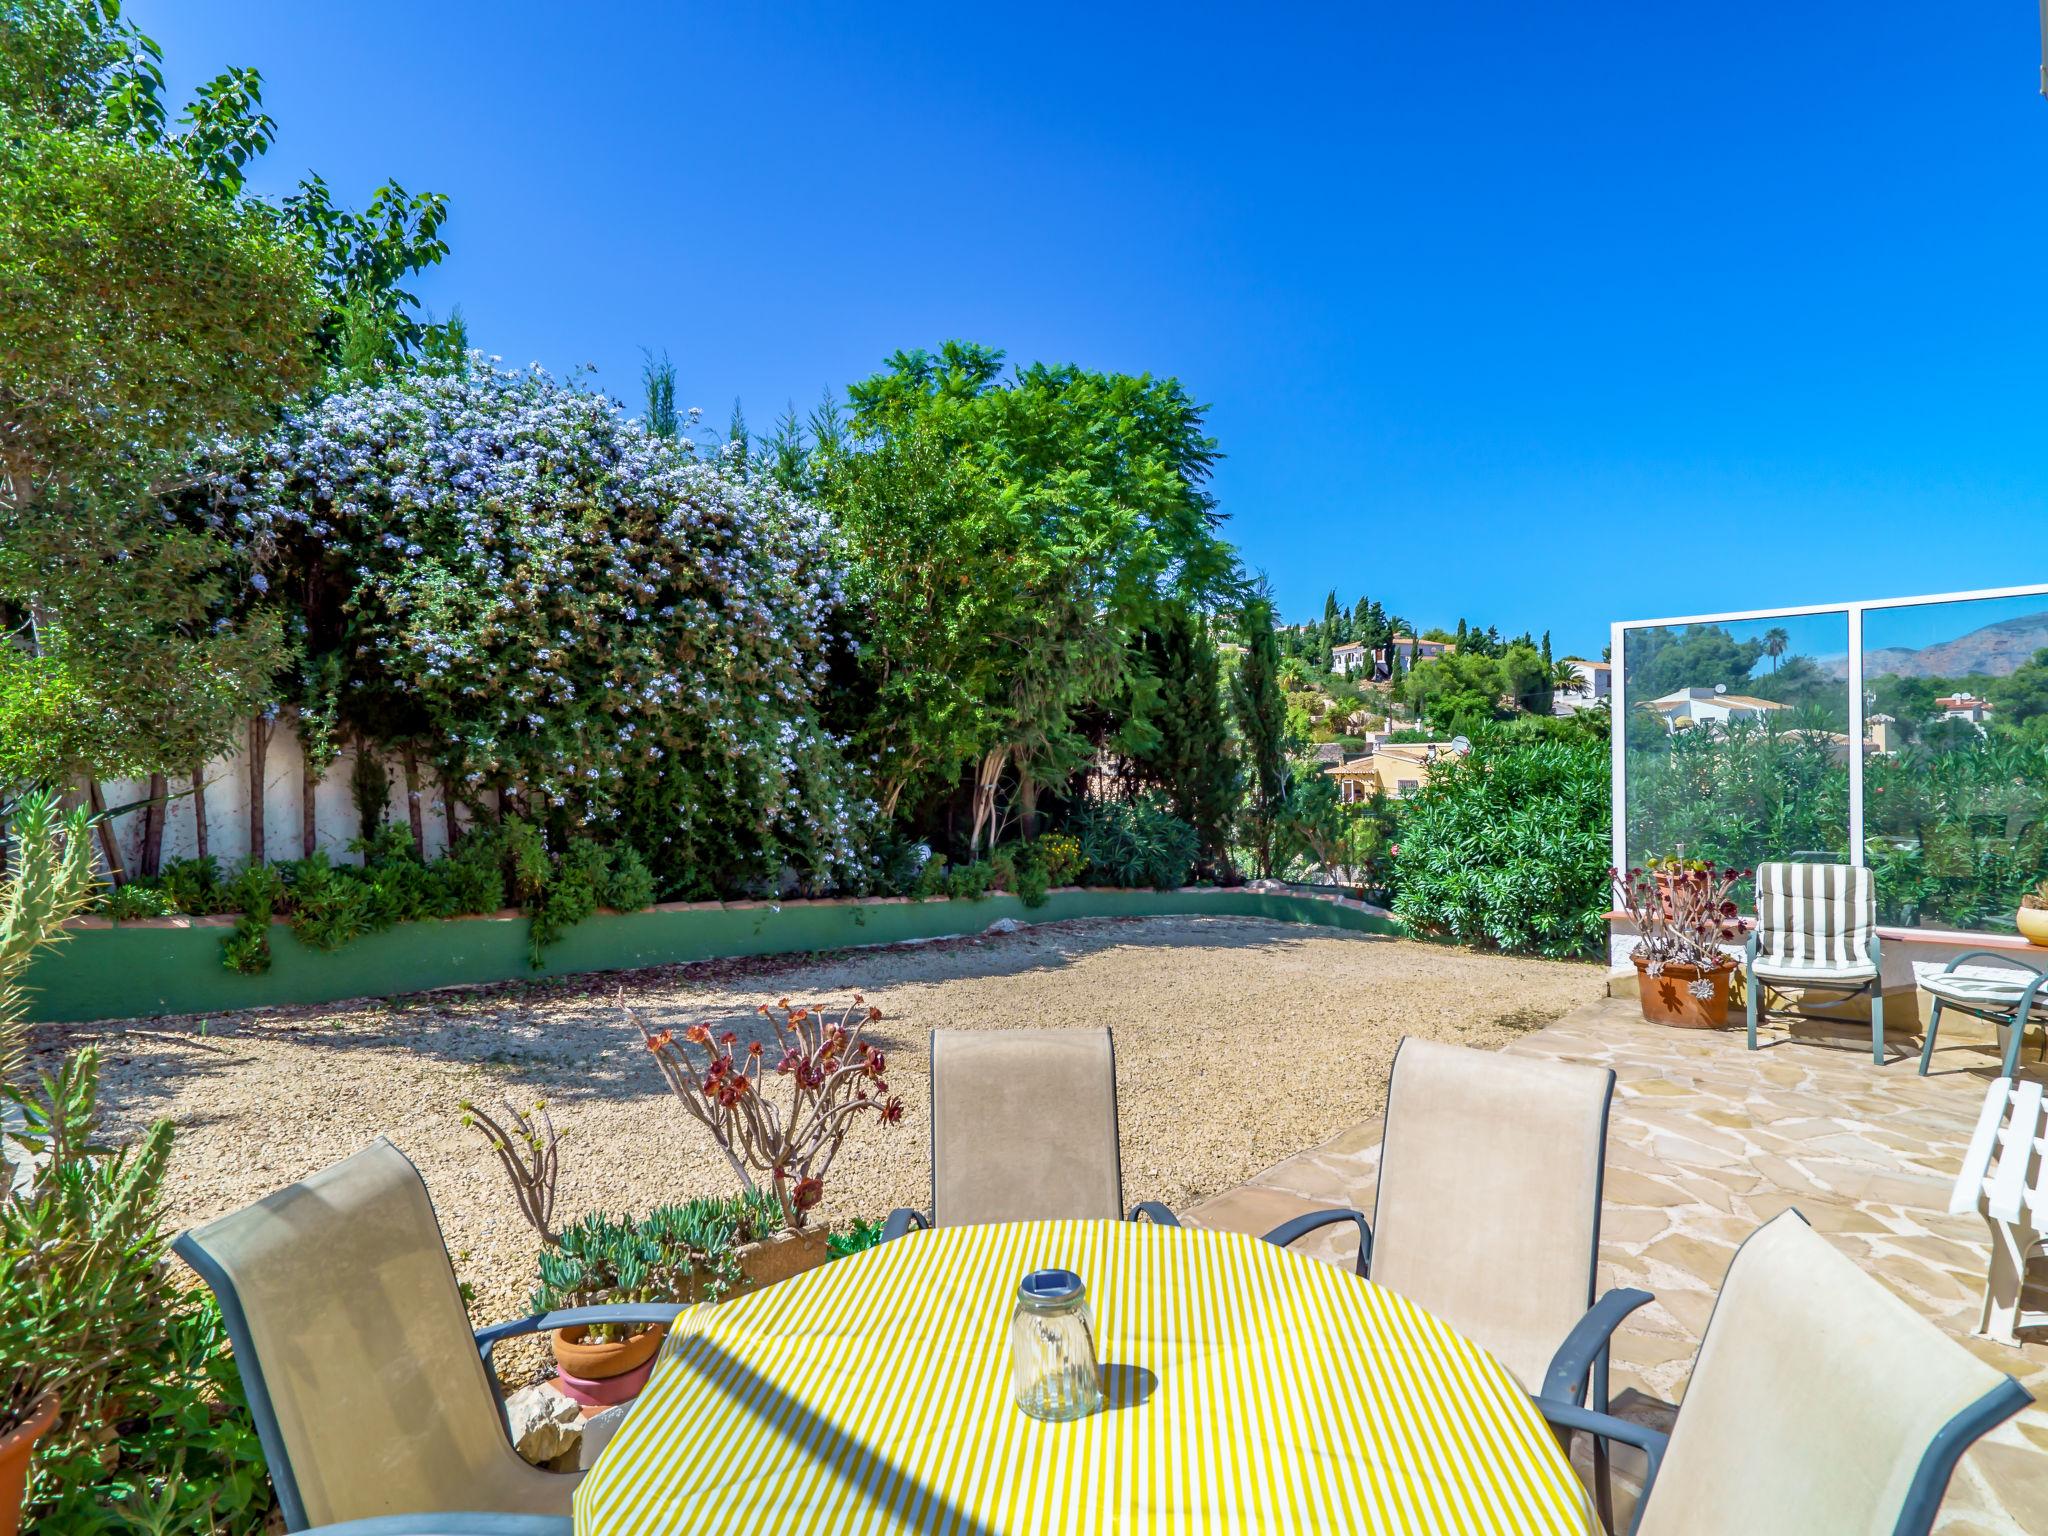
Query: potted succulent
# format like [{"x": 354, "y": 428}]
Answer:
[
  {"x": 785, "y": 1138},
  {"x": 1684, "y": 911},
  {"x": 2032, "y": 917},
  {"x": 676, "y": 1253}
]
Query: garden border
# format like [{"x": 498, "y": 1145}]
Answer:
[{"x": 172, "y": 965}]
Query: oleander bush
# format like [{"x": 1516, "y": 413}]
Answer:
[
  {"x": 1508, "y": 848},
  {"x": 1136, "y": 843}
]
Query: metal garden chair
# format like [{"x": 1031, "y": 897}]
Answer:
[
  {"x": 2011, "y": 1002},
  {"x": 1487, "y": 1212},
  {"x": 377, "y": 1407},
  {"x": 1816, "y": 931},
  {"x": 1818, "y": 1402}
]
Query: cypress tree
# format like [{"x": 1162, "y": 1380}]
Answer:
[
  {"x": 1194, "y": 761},
  {"x": 1261, "y": 710}
]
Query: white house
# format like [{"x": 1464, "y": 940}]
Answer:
[
  {"x": 1688, "y": 707},
  {"x": 1596, "y": 686},
  {"x": 1347, "y": 659},
  {"x": 1965, "y": 706}
]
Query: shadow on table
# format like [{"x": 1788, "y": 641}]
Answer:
[
  {"x": 866, "y": 1472},
  {"x": 1126, "y": 1386}
]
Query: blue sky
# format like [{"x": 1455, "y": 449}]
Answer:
[{"x": 1541, "y": 316}]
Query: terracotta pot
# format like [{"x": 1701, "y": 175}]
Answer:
[
  {"x": 15, "y": 1447},
  {"x": 587, "y": 1359},
  {"x": 2033, "y": 924},
  {"x": 785, "y": 1254},
  {"x": 1668, "y": 999},
  {"x": 604, "y": 1391}
]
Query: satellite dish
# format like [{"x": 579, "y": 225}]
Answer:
[
  {"x": 1461, "y": 745},
  {"x": 1720, "y": 688}
]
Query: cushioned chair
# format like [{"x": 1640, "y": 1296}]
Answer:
[
  {"x": 372, "y": 1398},
  {"x": 1816, "y": 931},
  {"x": 1024, "y": 1129},
  {"x": 2011, "y": 1001},
  {"x": 1487, "y": 1213},
  {"x": 1818, "y": 1402}
]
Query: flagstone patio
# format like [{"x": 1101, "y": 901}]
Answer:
[{"x": 1708, "y": 1139}]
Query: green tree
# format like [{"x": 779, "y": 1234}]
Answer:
[
  {"x": 1094, "y": 491},
  {"x": 1261, "y": 710},
  {"x": 1775, "y": 641},
  {"x": 1193, "y": 761}
]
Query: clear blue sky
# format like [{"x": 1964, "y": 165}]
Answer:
[{"x": 1541, "y": 315}]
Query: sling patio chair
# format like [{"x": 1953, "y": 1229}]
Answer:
[
  {"x": 1818, "y": 1402},
  {"x": 1024, "y": 1129},
  {"x": 1487, "y": 1213},
  {"x": 378, "y": 1408},
  {"x": 2011, "y": 1001},
  {"x": 1816, "y": 931}
]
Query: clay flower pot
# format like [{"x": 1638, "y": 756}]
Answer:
[
  {"x": 1668, "y": 999},
  {"x": 15, "y": 1448},
  {"x": 782, "y": 1255},
  {"x": 586, "y": 1359},
  {"x": 2033, "y": 924}
]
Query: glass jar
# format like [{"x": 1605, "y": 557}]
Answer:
[{"x": 1055, "y": 1374}]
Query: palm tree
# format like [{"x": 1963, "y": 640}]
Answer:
[
  {"x": 1775, "y": 642},
  {"x": 1564, "y": 678}
]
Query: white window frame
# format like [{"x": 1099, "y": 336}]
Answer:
[{"x": 1618, "y": 675}]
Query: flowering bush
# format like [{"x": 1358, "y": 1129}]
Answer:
[
  {"x": 552, "y": 601},
  {"x": 833, "y": 1079}
]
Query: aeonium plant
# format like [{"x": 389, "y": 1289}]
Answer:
[
  {"x": 1684, "y": 910},
  {"x": 786, "y": 1136},
  {"x": 2036, "y": 900}
]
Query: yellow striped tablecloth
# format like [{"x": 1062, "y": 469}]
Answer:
[{"x": 1248, "y": 1389}]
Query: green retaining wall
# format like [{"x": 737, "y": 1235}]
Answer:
[{"x": 136, "y": 970}]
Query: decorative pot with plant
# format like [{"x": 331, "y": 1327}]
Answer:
[
  {"x": 1684, "y": 911},
  {"x": 787, "y": 1137},
  {"x": 2032, "y": 917},
  {"x": 676, "y": 1253}
]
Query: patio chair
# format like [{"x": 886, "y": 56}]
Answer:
[
  {"x": 1818, "y": 1402},
  {"x": 1816, "y": 931},
  {"x": 372, "y": 1398},
  {"x": 2011, "y": 1001},
  {"x": 1023, "y": 1129},
  {"x": 1487, "y": 1213}
]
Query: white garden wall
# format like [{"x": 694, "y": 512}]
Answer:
[{"x": 227, "y": 807}]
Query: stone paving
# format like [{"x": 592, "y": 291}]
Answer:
[{"x": 1707, "y": 1140}]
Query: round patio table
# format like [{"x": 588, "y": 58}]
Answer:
[{"x": 1246, "y": 1389}]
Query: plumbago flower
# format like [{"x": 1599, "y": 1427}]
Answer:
[{"x": 543, "y": 596}]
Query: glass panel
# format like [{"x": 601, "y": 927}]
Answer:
[
  {"x": 1738, "y": 746},
  {"x": 1955, "y": 789}
]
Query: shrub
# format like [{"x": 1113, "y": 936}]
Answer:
[
  {"x": 970, "y": 882},
  {"x": 1508, "y": 847},
  {"x": 1060, "y": 856},
  {"x": 1136, "y": 843},
  {"x": 864, "y": 1233},
  {"x": 545, "y": 595},
  {"x": 138, "y": 899},
  {"x": 192, "y": 884}
]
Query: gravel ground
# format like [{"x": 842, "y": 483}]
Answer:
[{"x": 1239, "y": 1042}]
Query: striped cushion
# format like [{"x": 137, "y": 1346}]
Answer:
[
  {"x": 1818, "y": 918},
  {"x": 1993, "y": 994}
]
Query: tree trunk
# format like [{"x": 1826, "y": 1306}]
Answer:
[
  {"x": 412, "y": 804},
  {"x": 1027, "y": 806},
  {"x": 153, "y": 825},
  {"x": 199, "y": 838},
  {"x": 309, "y": 803},
  {"x": 110, "y": 845},
  {"x": 985, "y": 785},
  {"x": 259, "y": 745},
  {"x": 448, "y": 811}
]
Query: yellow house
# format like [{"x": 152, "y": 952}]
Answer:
[{"x": 1395, "y": 769}]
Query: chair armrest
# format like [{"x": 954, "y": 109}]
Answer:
[
  {"x": 1566, "y": 1379},
  {"x": 1153, "y": 1212},
  {"x": 570, "y": 1317},
  {"x": 901, "y": 1220},
  {"x": 1291, "y": 1232},
  {"x": 1749, "y": 949},
  {"x": 1606, "y": 1426},
  {"x": 450, "y": 1523}
]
